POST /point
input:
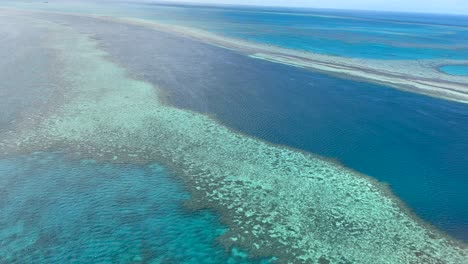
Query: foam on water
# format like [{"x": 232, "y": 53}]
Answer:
[{"x": 276, "y": 201}]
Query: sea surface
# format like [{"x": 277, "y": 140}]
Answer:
[
  {"x": 56, "y": 210},
  {"x": 461, "y": 70},
  {"x": 416, "y": 144},
  {"x": 351, "y": 34}
]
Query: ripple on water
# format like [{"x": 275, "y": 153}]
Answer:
[
  {"x": 276, "y": 201},
  {"x": 55, "y": 210}
]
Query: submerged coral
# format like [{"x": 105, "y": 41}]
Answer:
[{"x": 276, "y": 201}]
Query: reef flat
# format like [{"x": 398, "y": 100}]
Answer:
[
  {"x": 286, "y": 105},
  {"x": 420, "y": 76},
  {"x": 59, "y": 210},
  {"x": 276, "y": 201}
]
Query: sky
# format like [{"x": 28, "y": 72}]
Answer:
[{"x": 426, "y": 6}]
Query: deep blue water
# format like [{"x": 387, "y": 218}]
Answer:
[
  {"x": 415, "y": 143},
  {"x": 55, "y": 210},
  {"x": 355, "y": 34}
]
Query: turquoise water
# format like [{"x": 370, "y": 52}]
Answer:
[
  {"x": 416, "y": 144},
  {"x": 371, "y": 35},
  {"x": 56, "y": 210},
  {"x": 112, "y": 213},
  {"x": 352, "y": 34},
  {"x": 461, "y": 70}
]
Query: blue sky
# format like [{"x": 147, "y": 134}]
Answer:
[{"x": 430, "y": 6}]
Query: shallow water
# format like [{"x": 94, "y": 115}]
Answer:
[
  {"x": 56, "y": 210},
  {"x": 461, "y": 70},
  {"x": 294, "y": 107},
  {"x": 352, "y": 34},
  {"x": 276, "y": 201},
  {"x": 416, "y": 144},
  {"x": 25, "y": 88}
]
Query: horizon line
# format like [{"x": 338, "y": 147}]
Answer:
[{"x": 205, "y": 4}]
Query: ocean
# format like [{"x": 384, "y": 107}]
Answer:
[
  {"x": 102, "y": 213},
  {"x": 415, "y": 144},
  {"x": 352, "y": 34}
]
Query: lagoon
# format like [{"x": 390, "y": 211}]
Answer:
[
  {"x": 461, "y": 70},
  {"x": 260, "y": 143},
  {"x": 414, "y": 143}
]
